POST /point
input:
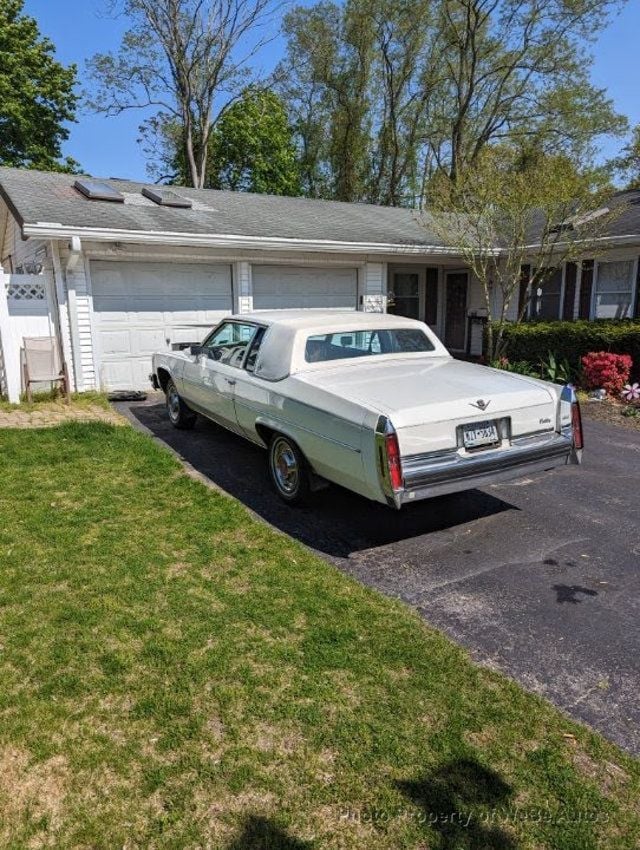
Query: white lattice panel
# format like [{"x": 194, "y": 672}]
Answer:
[{"x": 27, "y": 291}]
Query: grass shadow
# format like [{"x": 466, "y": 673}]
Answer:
[
  {"x": 459, "y": 801},
  {"x": 259, "y": 833}
]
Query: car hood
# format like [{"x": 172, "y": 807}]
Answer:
[{"x": 432, "y": 389}]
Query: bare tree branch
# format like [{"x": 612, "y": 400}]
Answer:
[{"x": 188, "y": 58}]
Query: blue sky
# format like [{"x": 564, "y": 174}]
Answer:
[{"x": 108, "y": 147}]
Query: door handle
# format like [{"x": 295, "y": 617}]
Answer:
[{"x": 231, "y": 381}]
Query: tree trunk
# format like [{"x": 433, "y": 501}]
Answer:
[{"x": 490, "y": 340}]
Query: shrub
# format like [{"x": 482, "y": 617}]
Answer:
[
  {"x": 606, "y": 370},
  {"x": 519, "y": 367},
  {"x": 551, "y": 369},
  {"x": 532, "y": 341}
]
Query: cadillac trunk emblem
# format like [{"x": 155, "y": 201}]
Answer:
[{"x": 481, "y": 404}]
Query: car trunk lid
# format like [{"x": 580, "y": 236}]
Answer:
[{"x": 419, "y": 395}]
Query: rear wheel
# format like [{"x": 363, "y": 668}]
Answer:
[
  {"x": 288, "y": 471},
  {"x": 180, "y": 414}
]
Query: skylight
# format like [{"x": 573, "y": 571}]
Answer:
[
  {"x": 96, "y": 190},
  {"x": 166, "y": 198}
]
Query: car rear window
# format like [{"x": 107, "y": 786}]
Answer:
[{"x": 348, "y": 344}]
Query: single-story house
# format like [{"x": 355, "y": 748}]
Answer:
[{"x": 125, "y": 269}]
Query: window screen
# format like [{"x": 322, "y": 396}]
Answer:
[{"x": 613, "y": 290}]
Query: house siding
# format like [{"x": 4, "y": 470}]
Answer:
[
  {"x": 243, "y": 287},
  {"x": 17, "y": 254},
  {"x": 77, "y": 288},
  {"x": 374, "y": 294}
]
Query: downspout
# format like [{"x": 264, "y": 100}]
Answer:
[
  {"x": 75, "y": 253},
  {"x": 68, "y": 355}
]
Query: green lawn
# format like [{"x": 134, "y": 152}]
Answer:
[
  {"x": 54, "y": 397},
  {"x": 174, "y": 674}
]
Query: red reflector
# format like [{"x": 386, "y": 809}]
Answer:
[
  {"x": 393, "y": 461},
  {"x": 576, "y": 424}
]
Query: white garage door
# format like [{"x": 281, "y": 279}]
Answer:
[
  {"x": 287, "y": 287},
  {"x": 140, "y": 308}
]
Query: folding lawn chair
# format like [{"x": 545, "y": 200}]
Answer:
[{"x": 41, "y": 363}]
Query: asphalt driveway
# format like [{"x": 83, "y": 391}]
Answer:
[{"x": 539, "y": 578}]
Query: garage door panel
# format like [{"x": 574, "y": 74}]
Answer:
[
  {"x": 302, "y": 287},
  {"x": 139, "y": 306},
  {"x": 117, "y": 375},
  {"x": 305, "y": 302},
  {"x": 126, "y": 374},
  {"x": 115, "y": 342},
  {"x": 148, "y": 341}
]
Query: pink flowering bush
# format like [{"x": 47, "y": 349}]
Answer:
[{"x": 604, "y": 370}]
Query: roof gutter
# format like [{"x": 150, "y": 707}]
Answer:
[
  {"x": 604, "y": 240},
  {"x": 53, "y": 230}
]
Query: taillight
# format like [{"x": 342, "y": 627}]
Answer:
[
  {"x": 576, "y": 425},
  {"x": 394, "y": 463}
]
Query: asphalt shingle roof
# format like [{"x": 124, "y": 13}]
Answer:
[
  {"x": 628, "y": 222},
  {"x": 37, "y": 196}
]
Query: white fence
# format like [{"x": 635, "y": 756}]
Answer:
[{"x": 24, "y": 311}]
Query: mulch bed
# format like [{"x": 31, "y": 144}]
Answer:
[{"x": 610, "y": 412}]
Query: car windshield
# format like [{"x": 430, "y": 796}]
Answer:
[{"x": 365, "y": 343}]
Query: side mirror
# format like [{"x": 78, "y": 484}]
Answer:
[{"x": 195, "y": 350}]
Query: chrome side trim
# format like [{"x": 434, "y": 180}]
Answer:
[{"x": 264, "y": 418}]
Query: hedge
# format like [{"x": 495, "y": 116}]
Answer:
[{"x": 532, "y": 341}]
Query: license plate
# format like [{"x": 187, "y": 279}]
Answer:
[{"x": 479, "y": 434}]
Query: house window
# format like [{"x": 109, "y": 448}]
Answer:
[
  {"x": 613, "y": 290},
  {"x": 545, "y": 296},
  {"x": 405, "y": 298}
]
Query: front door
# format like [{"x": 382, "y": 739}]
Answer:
[{"x": 455, "y": 321}]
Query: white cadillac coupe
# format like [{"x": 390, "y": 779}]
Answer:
[{"x": 372, "y": 402}]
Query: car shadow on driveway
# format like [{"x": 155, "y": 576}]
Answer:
[{"x": 338, "y": 522}]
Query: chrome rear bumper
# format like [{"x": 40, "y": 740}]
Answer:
[{"x": 439, "y": 473}]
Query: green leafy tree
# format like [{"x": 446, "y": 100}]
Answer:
[
  {"x": 384, "y": 94},
  {"x": 514, "y": 208},
  {"x": 252, "y": 148},
  {"x": 36, "y": 94},
  {"x": 628, "y": 163},
  {"x": 326, "y": 81}
]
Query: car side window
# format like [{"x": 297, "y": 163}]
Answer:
[
  {"x": 252, "y": 356},
  {"x": 228, "y": 343}
]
